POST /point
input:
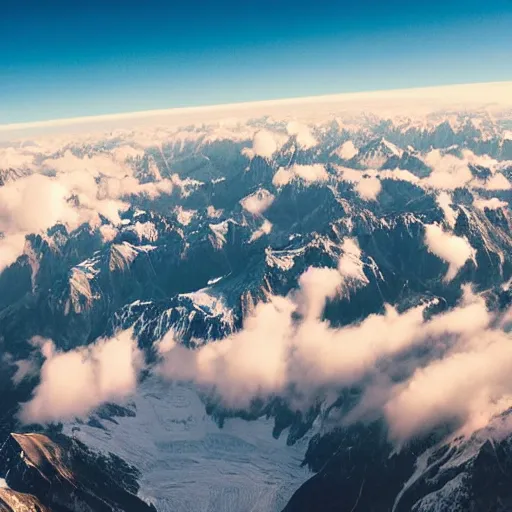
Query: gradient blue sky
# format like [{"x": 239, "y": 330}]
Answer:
[{"x": 66, "y": 58}]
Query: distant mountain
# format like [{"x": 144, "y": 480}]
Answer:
[{"x": 245, "y": 211}]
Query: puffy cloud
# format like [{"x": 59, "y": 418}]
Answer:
[
  {"x": 453, "y": 249},
  {"x": 497, "y": 182},
  {"x": 105, "y": 176},
  {"x": 303, "y": 135},
  {"x": 248, "y": 364},
  {"x": 114, "y": 188},
  {"x": 347, "y": 150},
  {"x": 366, "y": 183},
  {"x": 34, "y": 203},
  {"x": 257, "y": 202},
  {"x": 399, "y": 175},
  {"x": 265, "y": 143},
  {"x": 214, "y": 213},
  {"x": 11, "y": 247},
  {"x": 492, "y": 204},
  {"x": 14, "y": 158},
  {"x": 448, "y": 171},
  {"x": 444, "y": 200},
  {"x": 96, "y": 165},
  {"x": 69, "y": 190},
  {"x": 282, "y": 177},
  {"x": 369, "y": 188},
  {"x": 123, "y": 153},
  {"x": 317, "y": 285},
  {"x": 307, "y": 173},
  {"x": 286, "y": 342},
  {"x": 310, "y": 173},
  {"x": 469, "y": 386},
  {"x": 285, "y": 348},
  {"x": 73, "y": 383}
]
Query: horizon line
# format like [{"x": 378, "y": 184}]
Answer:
[{"x": 405, "y": 93}]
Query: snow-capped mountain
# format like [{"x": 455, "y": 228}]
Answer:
[{"x": 184, "y": 234}]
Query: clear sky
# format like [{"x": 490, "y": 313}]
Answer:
[{"x": 68, "y": 58}]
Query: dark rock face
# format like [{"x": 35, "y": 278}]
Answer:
[
  {"x": 65, "y": 476},
  {"x": 357, "y": 469}
]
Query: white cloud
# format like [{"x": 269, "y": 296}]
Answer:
[
  {"x": 34, "y": 203},
  {"x": 257, "y": 202},
  {"x": 470, "y": 386},
  {"x": 317, "y": 285},
  {"x": 214, "y": 213},
  {"x": 96, "y": 165},
  {"x": 448, "y": 171},
  {"x": 274, "y": 349},
  {"x": 369, "y": 188},
  {"x": 265, "y": 144},
  {"x": 123, "y": 153},
  {"x": 304, "y": 137},
  {"x": 308, "y": 173},
  {"x": 15, "y": 158},
  {"x": 444, "y": 200},
  {"x": 399, "y": 175},
  {"x": 492, "y": 204},
  {"x": 347, "y": 150},
  {"x": 282, "y": 177},
  {"x": 72, "y": 191},
  {"x": 497, "y": 182},
  {"x": 11, "y": 247},
  {"x": 450, "y": 248},
  {"x": 73, "y": 383},
  {"x": 366, "y": 183},
  {"x": 285, "y": 348}
]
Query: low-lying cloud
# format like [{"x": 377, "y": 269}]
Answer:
[
  {"x": 72, "y": 191},
  {"x": 287, "y": 349},
  {"x": 257, "y": 202},
  {"x": 307, "y": 173},
  {"x": 265, "y": 143},
  {"x": 305, "y": 139},
  {"x": 73, "y": 383},
  {"x": 452, "y": 249},
  {"x": 455, "y": 365}
]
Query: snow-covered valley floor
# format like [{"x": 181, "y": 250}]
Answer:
[{"x": 189, "y": 464}]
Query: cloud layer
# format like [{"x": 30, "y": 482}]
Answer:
[
  {"x": 287, "y": 349},
  {"x": 72, "y": 191}
]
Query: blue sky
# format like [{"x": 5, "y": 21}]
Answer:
[{"x": 66, "y": 59}]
